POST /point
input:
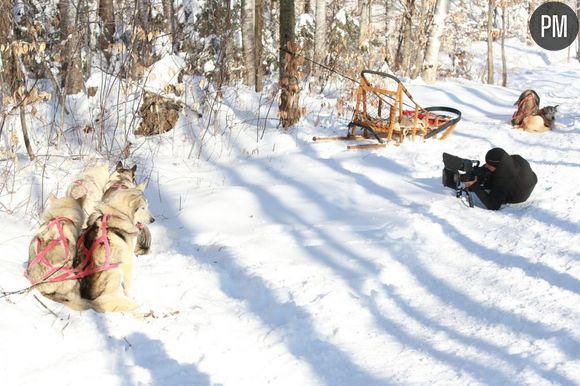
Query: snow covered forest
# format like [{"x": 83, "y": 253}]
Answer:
[
  {"x": 277, "y": 259},
  {"x": 89, "y": 48}
]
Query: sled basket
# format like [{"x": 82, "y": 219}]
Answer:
[{"x": 386, "y": 111}]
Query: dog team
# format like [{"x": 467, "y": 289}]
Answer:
[{"x": 82, "y": 255}]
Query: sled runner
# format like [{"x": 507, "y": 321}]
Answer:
[{"x": 386, "y": 111}]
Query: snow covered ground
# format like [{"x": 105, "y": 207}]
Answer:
[{"x": 289, "y": 262}]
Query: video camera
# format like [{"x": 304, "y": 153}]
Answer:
[{"x": 459, "y": 170}]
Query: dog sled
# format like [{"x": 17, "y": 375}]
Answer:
[{"x": 386, "y": 111}]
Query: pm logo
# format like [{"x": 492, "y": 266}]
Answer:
[{"x": 554, "y": 26}]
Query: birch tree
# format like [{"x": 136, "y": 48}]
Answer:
[
  {"x": 504, "y": 71},
  {"x": 434, "y": 42},
  {"x": 365, "y": 22},
  {"x": 320, "y": 31},
  {"x": 490, "y": 69},
  {"x": 258, "y": 46},
  {"x": 248, "y": 38}
]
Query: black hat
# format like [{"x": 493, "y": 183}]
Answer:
[{"x": 494, "y": 156}]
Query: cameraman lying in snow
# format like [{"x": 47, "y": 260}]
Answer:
[{"x": 512, "y": 180}]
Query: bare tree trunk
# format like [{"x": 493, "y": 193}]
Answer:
[
  {"x": 24, "y": 127},
  {"x": 169, "y": 22},
  {"x": 143, "y": 46},
  {"x": 90, "y": 19},
  {"x": 289, "y": 110},
  {"x": 402, "y": 56},
  {"x": 72, "y": 72},
  {"x": 301, "y": 7},
  {"x": 10, "y": 69},
  {"x": 320, "y": 32},
  {"x": 387, "y": 33},
  {"x": 259, "y": 47},
  {"x": 365, "y": 22},
  {"x": 248, "y": 39},
  {"x": 106, "y": 40},
  {"x": 434, "y": 42},
  {"x": 407, "y": 36},
  {"x": 13, "y": 78},
  {"x": 490, "y": 70},
  {"x": 531, "y": 9},
  {"x": 227, "y": 46},
  {"x": 504, "y": 71}
]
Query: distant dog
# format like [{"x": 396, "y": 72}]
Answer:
[
  {"x": 88, "y": 188},
  {"x": 124, "y": 178},
  {"x": 549, "y": 115},
  {"x": 121, "y": 178},
  {"x": 52, "y": 251},
  {"x": 545, "y": 120},
  {"x": 107, "y": 248},
  {"x": 528, "y": 104}
]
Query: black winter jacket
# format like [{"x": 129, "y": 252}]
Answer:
[{"x": 512, "y": 182}]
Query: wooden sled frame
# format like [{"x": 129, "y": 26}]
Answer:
[{"x": 390, "y": 120}]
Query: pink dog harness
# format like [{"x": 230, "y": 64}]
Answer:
[
  {"x": 41, "y": 256},
  {"x": 86, "y": 267}
]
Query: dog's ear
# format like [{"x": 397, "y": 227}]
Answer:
[
  {"x": 78, "y": 192},
  {"x": 119, "y": 166},
  {"x": 51, "y": 198},
  {"x": 141, "y": 186}
]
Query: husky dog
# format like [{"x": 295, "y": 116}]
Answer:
[
  {"x": 121, "y": 178},
  {"x": 53, "y": 249},
  {"x": 544, "y": 121},
  {"x": 88, "y": 188},
  {"x": 549, "y": 115},
  {"x": 528, "y": 104},
  {"x": 124, "y": 178},
  {"x": 110, "y": 240}
]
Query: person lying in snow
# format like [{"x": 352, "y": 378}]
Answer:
[{"x": 512, "y": 180}]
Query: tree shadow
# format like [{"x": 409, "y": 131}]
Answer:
[
  {"x": 332, "y": 365},
  {"x": 354, "y": 278},
  {"x": 461, "y": 301},
  {"x": 150, "y": 354},
  {"x": 234, "y": 279}
]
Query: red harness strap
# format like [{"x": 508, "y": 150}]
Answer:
[
  {"x": 87, "y": 266},
  {"x": 520, "y": 113},
  {"x": 41, "y": 255}
]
